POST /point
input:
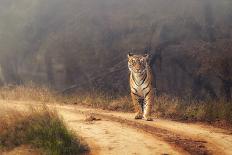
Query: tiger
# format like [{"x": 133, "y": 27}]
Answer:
[{"x": 141, "y": 88}]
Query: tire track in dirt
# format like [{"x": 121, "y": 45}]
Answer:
[
  {"x": 209, "y": 139},
  {"x": 179, "y": 142},
  {"x": 113, "y": 138}
]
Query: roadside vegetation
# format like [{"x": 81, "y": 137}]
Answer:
[
  {"x": 101, "y": 100},
  {"x": 28, "y": 92},
  {"x": 211, "y": 111},
  {"x": 217, "y": 111},
  {"x": 42, "y": 129}
]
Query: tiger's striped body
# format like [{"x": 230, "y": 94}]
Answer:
[{"x": 141, "y": 86}]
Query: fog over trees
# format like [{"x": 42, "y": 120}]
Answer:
[{"x": 83, "y": 44}]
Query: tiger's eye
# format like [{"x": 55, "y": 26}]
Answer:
[{"x": 133, "y": 61}]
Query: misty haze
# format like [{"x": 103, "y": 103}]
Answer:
[{"x": 73, "y": 57}]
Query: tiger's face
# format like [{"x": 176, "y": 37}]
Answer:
[{"x": 137, "y": 63}]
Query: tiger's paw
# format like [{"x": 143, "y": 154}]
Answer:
[
  {"x": 148, "y": 118},
  {"x": 138, "y": 116}
]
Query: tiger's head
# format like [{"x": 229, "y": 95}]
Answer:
[{"x": 138, "y": 63}]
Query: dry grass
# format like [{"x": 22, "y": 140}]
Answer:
[
  {"x": 29, "y": 92},
  {"x": 165, "y": 106},
  {"x": 207, "y": 111},
  {"x": 92, "y": 98},
  {"x": 42, "y": 129},
  {"x": 100, "y": 100}
]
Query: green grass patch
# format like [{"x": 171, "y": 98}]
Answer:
[{"x": 42, "y": 129}]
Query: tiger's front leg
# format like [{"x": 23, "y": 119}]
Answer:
[
  {"x": 148, "y": 106},
  {"x": 138, "y": 108}
]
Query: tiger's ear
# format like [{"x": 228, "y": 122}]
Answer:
[
  {"x": 129, "y": 54},
  {"x": 146, "y": 56}
]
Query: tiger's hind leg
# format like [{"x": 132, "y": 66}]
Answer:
[{"x": 137, "y": 105}]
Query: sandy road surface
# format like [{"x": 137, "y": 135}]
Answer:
[
  {"x": 217, "y": 141},
  {"x": 119, "y": 133},
  {"x": 106, "y": 137},
  {"x": 115, "y": 138}
]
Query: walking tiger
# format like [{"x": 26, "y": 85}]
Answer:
[{"x": 142, "y": 92}]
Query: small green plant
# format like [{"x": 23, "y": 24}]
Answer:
[{"x": 44, "y": 130}]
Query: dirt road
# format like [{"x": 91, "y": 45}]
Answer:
[{"x": 118, "y": 133}]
